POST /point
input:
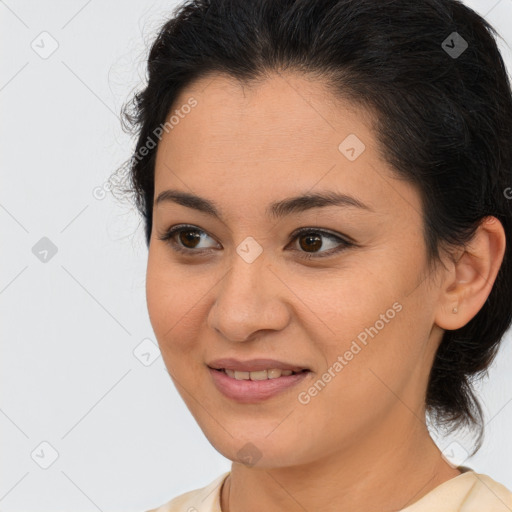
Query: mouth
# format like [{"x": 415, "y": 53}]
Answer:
[
  {"x": 269, "y": 374},
  {"x": 252, "y": 387}
]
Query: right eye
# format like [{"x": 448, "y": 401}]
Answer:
[{"x": 188, "y": 236}]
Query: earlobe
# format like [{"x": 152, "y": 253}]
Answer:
[{"x": 471, "y": 276}]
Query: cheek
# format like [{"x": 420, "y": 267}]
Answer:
[
  {"x": 341, "y": 306},
  {"x": 383, "y": 368},
  {"x": 359, "y": 384},
  {"x": 368, "y": 332},
  {"x": 173, "y": 296}
]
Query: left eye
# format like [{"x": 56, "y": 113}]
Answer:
[{"x": 309, "y": 239}]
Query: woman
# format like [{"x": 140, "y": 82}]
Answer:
[{"x": 326, "y": 194}]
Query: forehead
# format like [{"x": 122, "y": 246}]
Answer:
[
  {"x": 282, "y": 114},
  {"x": 286, "y": 133}
]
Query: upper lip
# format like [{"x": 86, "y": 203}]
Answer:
[{"x": 253, "y": 365}]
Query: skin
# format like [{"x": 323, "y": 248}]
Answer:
[{"x": 347, "y": 449}]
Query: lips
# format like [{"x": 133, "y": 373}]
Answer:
[
  {"x": 249, "y": 391},
  {"x": 254, "y": 365}
]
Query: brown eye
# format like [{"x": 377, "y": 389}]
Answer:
[
  {"x": 189, "y": 237},
  {"x": 311, "y": 240},
  {"x": 185, "y": 239},
  {"x": 313, "y": 243}
]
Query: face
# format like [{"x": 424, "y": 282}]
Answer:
[{"x": 349, "y": 298}]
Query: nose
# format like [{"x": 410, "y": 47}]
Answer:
[{"x": 249, "y": 299}]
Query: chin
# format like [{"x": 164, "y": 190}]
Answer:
[{"x": 258, "y": 449}]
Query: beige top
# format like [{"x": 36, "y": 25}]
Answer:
[{"x": 467, "y": 492}]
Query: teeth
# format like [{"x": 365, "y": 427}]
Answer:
[
  {"x": 261, "y": 375},
  {"x": 273, "y": 373}
]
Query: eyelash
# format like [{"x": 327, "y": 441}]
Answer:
[{"x": 168, "y": 236}]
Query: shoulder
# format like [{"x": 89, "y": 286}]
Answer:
[
  {"x": 204, "y": 499},
  {"x": 489, "y": 493},
  {"x": 469, "y": 492}
]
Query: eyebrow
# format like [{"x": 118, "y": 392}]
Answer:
[{"x": 275, "y": 210}]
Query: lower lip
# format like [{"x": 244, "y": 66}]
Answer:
[{"x": 253, "y": 391}]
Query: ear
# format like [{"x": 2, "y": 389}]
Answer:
[{"x": 470, "y": 278}]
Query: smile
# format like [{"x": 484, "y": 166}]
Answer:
[
  {"x": 273, "y": 373},
  {"x": 256, "y": 386}
]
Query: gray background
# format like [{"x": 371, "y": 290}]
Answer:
[{"x": 80, "y": 370}]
